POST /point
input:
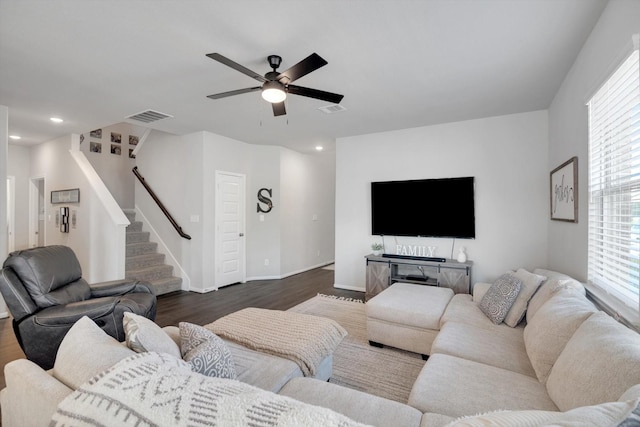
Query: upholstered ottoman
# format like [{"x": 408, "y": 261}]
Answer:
[{"x": 406, "y": 316}]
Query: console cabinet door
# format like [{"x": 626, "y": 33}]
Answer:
[
  {"x": 377, "y": 278},
  {"x": 456, "y": 279}
]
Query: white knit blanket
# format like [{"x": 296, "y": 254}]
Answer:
[
  {"x": 152, "y": 389},
  {"x": 303, "y": 338}
]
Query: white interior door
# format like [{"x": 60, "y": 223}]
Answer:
[{"x": 230, "y": 226}]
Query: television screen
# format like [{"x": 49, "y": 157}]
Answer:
[{"x": 424, "y": 208}]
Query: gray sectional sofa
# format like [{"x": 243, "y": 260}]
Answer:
[{"x": 566, "y": 363}]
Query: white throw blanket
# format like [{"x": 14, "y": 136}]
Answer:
[
  {"x": 152, "y": 389},
  {"x": 303, "y": 338}
]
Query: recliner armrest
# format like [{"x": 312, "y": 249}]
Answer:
[
  {"x": 120, "y": 287},
  {"x": 70, "y": 313}
]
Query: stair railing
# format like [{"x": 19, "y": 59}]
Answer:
[{"x": 160, "y": 204}]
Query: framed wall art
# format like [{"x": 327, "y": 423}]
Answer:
[
  {"x": 564, "y": 191},
  {"x": 65, "y": 196}
]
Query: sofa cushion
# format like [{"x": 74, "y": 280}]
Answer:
[
  {"x": 497, "y": 302},
  {"x": 142, "y": 334},
  {"x": 86, "y": 351},
  {"x": 530, "y": 284},
  {"x": 357, "y": 405},
  {"x": 599, "y": 363},
  {"x": 206, "y": 352},
  {"x": 462, "y": 309},
  {"x": 455, "y": 387},
  {"x": 554, "y": 282},
  {"x": 502, "y": 347},
  {"x": 552, "y": 327},
  {"x": 410, "y": 305},
  {"x": 606, "y": 414},
  {"x": 157, "y": 389},
  {"x": 262, "y": 370}
]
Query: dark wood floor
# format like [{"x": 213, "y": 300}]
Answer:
[{"x": 205, "y": 308}]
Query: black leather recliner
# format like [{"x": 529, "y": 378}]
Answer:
[{"x": 46, "y": 294}]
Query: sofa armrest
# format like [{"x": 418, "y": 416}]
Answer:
[
  {"x": 120, "y": 287},
  {"x": 31, "y": 396},
  {"x": 479, "y": 289}
]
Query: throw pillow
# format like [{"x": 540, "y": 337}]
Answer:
[
  {"x": 143, "y": 335},
  {"x": 86, "y": 351},
  {"x": 530, "y": 284},
  {"x": 495, "y": 304},
  {"x": 206, "y": 352}
]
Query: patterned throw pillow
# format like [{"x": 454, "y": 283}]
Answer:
[
  {"x": 497, "y": 302},
  {"x": 144, "y": 335},
  {"x": 206, "y": 352}
]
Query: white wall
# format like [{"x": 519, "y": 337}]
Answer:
[
  {"x": 507, "y": 155},
  {"x": 19, "y": 167},
  {"x": 307, "y": 184},
  {"x": 568, "y": 125},
  {"x": 181, "y": 170},
  {"x": 172, "y": 167},
  {"x": 115, "y": 169},
  {"x": 93, "y": 238}
]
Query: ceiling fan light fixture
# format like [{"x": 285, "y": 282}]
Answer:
[{"x": 273, "y": 92}]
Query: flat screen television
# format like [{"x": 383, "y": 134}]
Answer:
[{"x": 424, "y": 208}]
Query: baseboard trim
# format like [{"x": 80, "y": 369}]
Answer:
[{"x": 348, "y": 288}]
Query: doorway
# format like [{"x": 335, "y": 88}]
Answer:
[
  {"x": 11, "y": 212},
  {"x": 37, "y": 212},
  {"x": 230, "y": 227}
]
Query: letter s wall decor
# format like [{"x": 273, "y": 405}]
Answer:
[{"x": 265, "y": 200}]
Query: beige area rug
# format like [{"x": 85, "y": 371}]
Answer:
[{"x": 384, "y": 372}]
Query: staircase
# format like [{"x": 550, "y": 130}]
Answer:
[{"x": 143, "y": 262}]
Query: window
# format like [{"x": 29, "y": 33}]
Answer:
[{"x": 614, "y": 184}]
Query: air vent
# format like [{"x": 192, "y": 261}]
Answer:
[
  {"x": 148, "y": 116},
  {"x": 330, "y": 109}
]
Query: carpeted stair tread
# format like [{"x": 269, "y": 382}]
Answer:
[
  {"x": 130, "y": 214},
  {"x": 166, "y": 285},
  {"x": 150, "y": 273},
  {"x": 144, "y": 262},
  {"x": 137, "y": 236},
  {"x": 141, "y": 248},
  {"x": 134, "y": 226},
  {"x": 141, "y": 261}
]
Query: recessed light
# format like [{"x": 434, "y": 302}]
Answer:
[
  {"x": 319, "y": 147},
  {"x": 56, "y": 120},
  {"x": 15, "y": 137}
]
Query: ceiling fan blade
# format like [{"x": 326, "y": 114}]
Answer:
[
  {"x": 302, "y": 68},
  {"x": 234, "y": 92},
  {"x": 315, "y": 93},
  {"x": 229, "y": 63},
  {"x": 278, "y": 109}
]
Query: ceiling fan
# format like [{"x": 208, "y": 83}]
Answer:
[{"x": 275, "y": 86}]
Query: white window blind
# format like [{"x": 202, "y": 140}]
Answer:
[{"x": 614, "y": 184}]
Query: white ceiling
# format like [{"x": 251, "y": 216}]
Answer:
[{"x": 399, "y": 64}]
